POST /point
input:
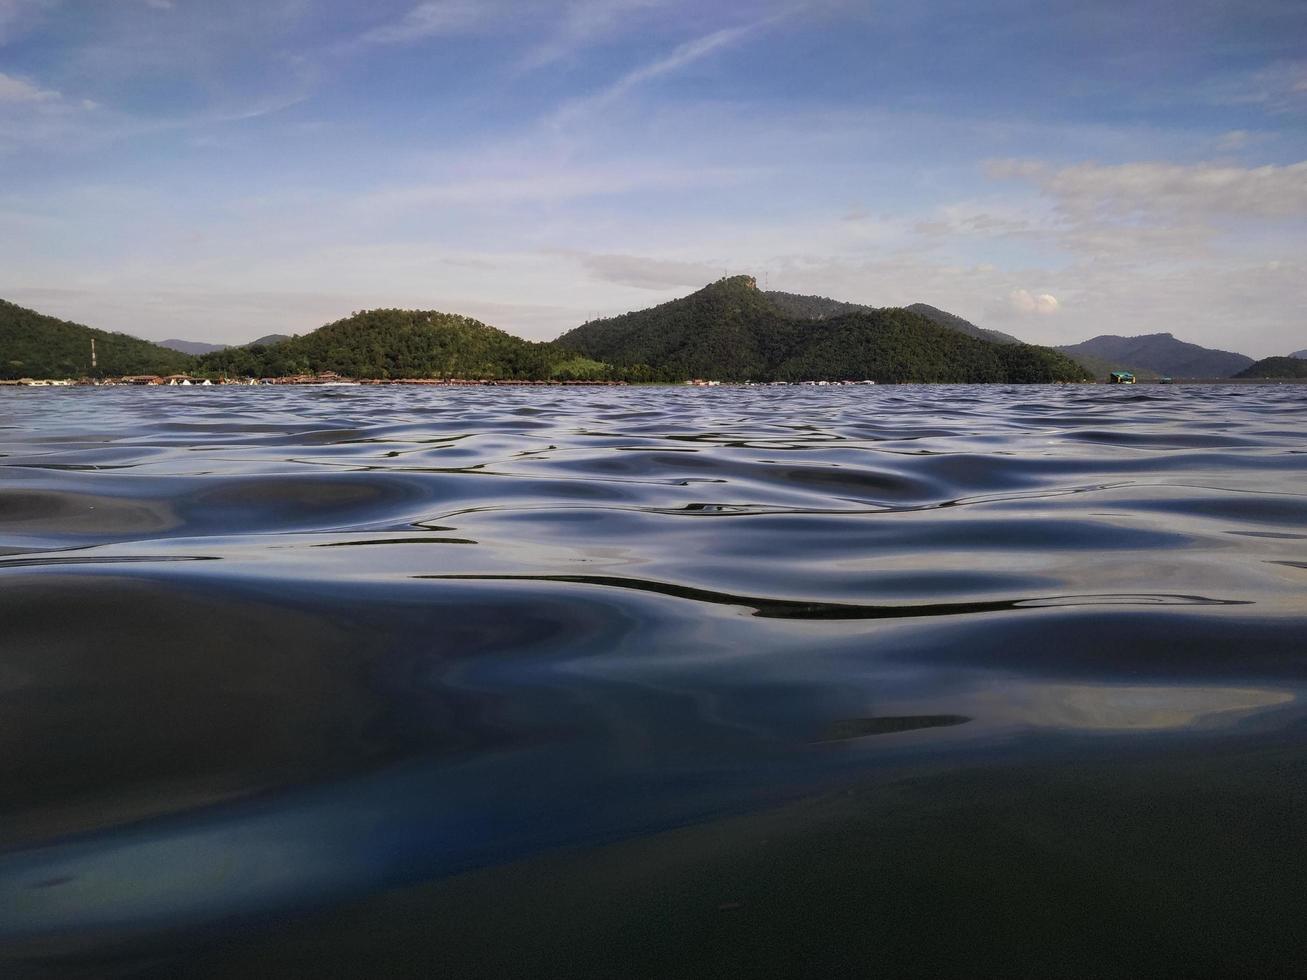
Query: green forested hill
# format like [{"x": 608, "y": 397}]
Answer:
[
  {"x": 893, "y": 345},
  {"x": 398, "y": 344},
  {"x": 955, "y": 322},
  {"x": 1276, "y": 367},
  {"x": 803, "y": 307},
  {"x": 33, "y": 345},
  {"x": 728, "y": 331},
  {"x": 732, "y": 331},
  {"x": 821, "y": 308}
]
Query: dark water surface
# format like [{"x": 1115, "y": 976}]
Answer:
[{"x": 623, "y": 682}]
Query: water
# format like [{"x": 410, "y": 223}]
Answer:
[{"x": 652, "y": 681}]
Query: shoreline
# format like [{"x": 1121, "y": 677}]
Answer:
[{"x": 510, "y": 383}]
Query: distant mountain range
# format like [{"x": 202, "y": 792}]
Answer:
[
  {"x": 198, "y": 347},
  {"x": 1154, "y": 355},
  {"x": 1276, "y": 367},
  {"x": 191, "y": 346},
  {"x": 729, "y": 330}
]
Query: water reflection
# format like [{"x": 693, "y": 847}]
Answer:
[{"x": 268, "y": 653}]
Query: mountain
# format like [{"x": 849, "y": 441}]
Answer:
[
  {"x": 1276, "y": 367},
  {"x": 400, "y": 344},
  {"x": 731, "y": 330},
  {"x": 33, "y": 345},
  {"x": 1100, "y": 367},
  {"x": 896, "y": 345},
  {"x": 191, "y": 346},
  {"x": 727, "y": 331},
  {"x": 820, "y": 308},
  {"x": 1158, "y": 353},
  {"x": 1300, "y": 354},
  {"x": 811, "y": 307},
  {"x": 955, "y": 322},
  {"x": 198, "y": 347}
]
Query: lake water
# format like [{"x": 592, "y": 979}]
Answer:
[{"x": 653, "y": 681}]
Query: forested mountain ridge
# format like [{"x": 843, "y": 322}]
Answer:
[
  {"x": 812, "y": 307},
  {"x": 898, "y": 345},
  {"x": 728, "y": 331},
  {"x": 1159, "y": 354},
  {"x": 391, "y": 343},
  {"x": 731, "y": 330},
  {"x": 822, "y": 308},
  {"x": 33, "y": 345},
  {"x": 955, "y": 322},
  {"x": 1276, "y": 367}
]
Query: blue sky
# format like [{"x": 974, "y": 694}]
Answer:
[{"x": 218, "y": 171}]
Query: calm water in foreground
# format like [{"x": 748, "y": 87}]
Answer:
[{"x": 653, "y": 682}]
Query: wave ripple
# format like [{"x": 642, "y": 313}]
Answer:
[{"x": 274, "y": 651}]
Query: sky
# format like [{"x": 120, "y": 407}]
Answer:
[{"x": 223, "y": 170}]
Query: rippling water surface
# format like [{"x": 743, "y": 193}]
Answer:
[{"x": 615, "y": 682}]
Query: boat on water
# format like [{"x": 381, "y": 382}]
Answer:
[{"x": 1121, "y": 378}]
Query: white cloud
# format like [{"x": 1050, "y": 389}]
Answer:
[
  {"x": 1024, "y": 301},
  {"x": 435, "y": 18},
  {"x": 15, "y": 89}
]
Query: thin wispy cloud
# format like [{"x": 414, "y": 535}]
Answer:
[
  {"x": 14, "y": 89},
  {"x": 583, "y": 23},
  {"x": 1278, "y": 87},
  {"x": 650, "y": 273},
  {"x": 543, "y": 185},
  {"x": 436, "y": 18},
  {"x": 14, "y": 14},
  {"x": 684, "y": 55},
  {"x": 1171, "y": 190}
]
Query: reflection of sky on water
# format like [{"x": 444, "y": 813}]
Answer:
[
  {"x": 439, "y": 630},
  {"x": 1114, "y": 708},
  {"x": 582, "y": 714},
  {"x": 421, "y": 819},
  {"x": 1009, "y": 702}
]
